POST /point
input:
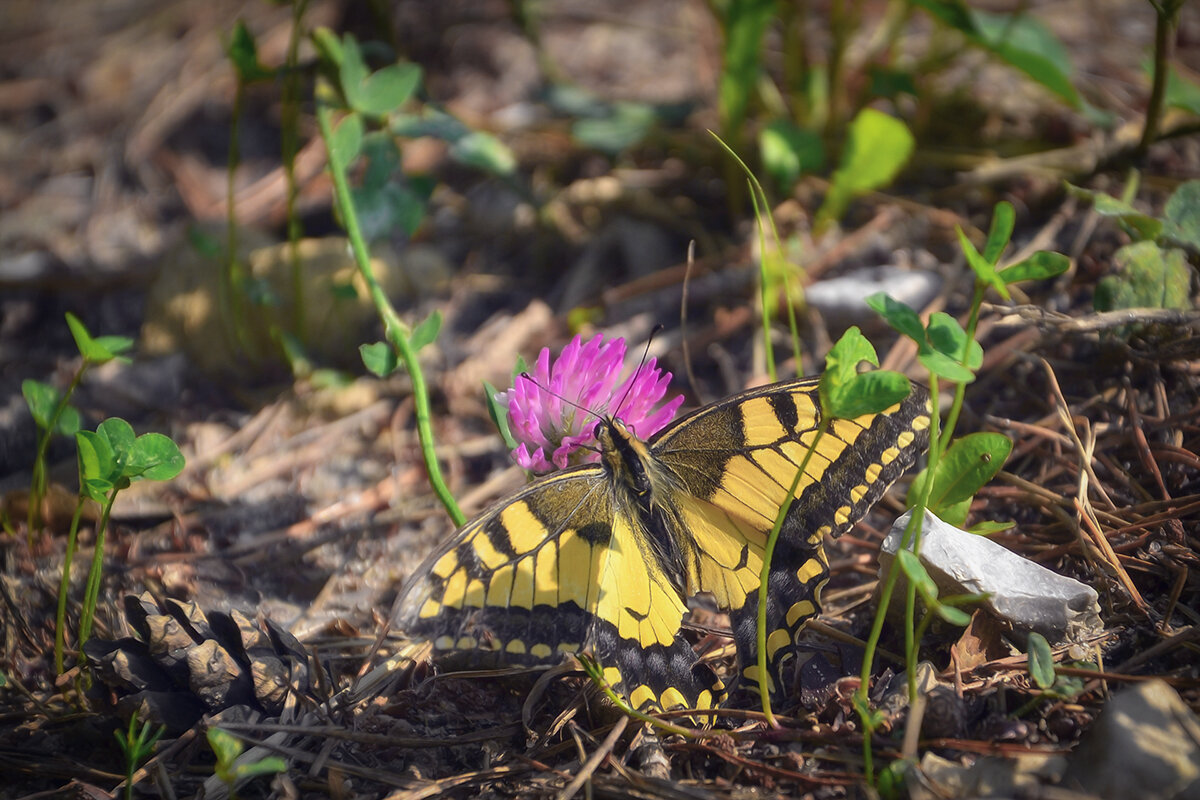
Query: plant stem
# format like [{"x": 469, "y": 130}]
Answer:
[
  {"x": 88, "y": 612},
  {"x": 960, "y": 390},
  {"x": 37, "y": 486},
  {"x": 231, "y": 284},
  {"x": 910, "y": 540},
  {"x": 64, "y": 587},
  {"x": 1166, "y": 15},
  {"x": 764, "y": 576},
  {"x": 289, "y": 120},
  {"x": 395, "y": 330}
]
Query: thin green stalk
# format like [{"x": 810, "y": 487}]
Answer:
[
  {"x": 1166, "y": 14},
  {"x": 793, "y": 18},
  {"x": 839, "y": 31},
  {"x": 960, "y": 390},
  {"x": 764, "y": 576},
  {"x": 231, "y": 288},
  {"x": 37, "y": 486},
  {"x": 910, "y": 540},
  {"x": 87, "y": 613},
  {"x": 289, "y": 120},
  {"x": 764, "y": 287},
  {"x": 64, "y": 587},
  {"x": 395, "y": 330}
]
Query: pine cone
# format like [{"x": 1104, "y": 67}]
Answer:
[{"x": 185, "y": 663}]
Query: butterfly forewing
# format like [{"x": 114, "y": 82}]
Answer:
[{"x": 556, "y": 570}]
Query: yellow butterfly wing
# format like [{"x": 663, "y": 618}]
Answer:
[
  {"x": 732, "y": 464},
  {"x": 558, "y": 569}
]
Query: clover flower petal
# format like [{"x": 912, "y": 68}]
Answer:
[{"x": 551, "y": 410}]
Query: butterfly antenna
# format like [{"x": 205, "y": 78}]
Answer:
[
  {"x": 553, "y": 393},
  {"x": 633, "y": 378}
]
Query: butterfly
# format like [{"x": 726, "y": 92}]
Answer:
[{"x": 601, "y": 559}]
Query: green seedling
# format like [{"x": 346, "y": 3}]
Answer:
[
  {"x": 1045, "y": 676},
  {"x": 846, "y": 394},
  {"x": 359, "y": 96},
  {"x": 228, "y": 748},
  {"x": 52, "y": 411},
  {"x": 959, "y": 468},
  {"x": 1152, "y": 271},
  {"x": 877, "y": 147},
  {"x": 776, "y": 273},
  {"x": 242, "y": 52},
  {"x": 136, "y": 743},
  {"x": 110, "y": 459}
]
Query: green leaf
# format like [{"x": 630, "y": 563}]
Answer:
[
  {"x": 1146, "y": 277},
  {"x": 344, "y": 291},
  {"x": 877, "y": 146},
  {"x": 119, "y": 434},
  {"x": 847, "y": 394},
  {"x": 1041, "y": 661},
  {"x": 95, "y": 455},
  {"x": 84, "y": 342},
  {"x": 985, "y": 271},
  {"x": 1003, "y": 220},
  {"x": 484, "y": 151},
  {"x": 69, "y": 421},
  {"x": 328, "y": 46},
  {"x": 499, "y": 415},
  {"x": 243, "y": 52},
  {"x": 379, "y": 358},
  {"x": 1182, "y": 93},
  {"x": 115, "y": 345},
  {"x": 347, "y": 140},
  {"x": 898, "y": 315},
  {"x": 911, "y": 564},
  {"x": 946, "y": 336},
  {"x": 969, "y": 463},
  {"x": 890, "y": 82},
  {"x": 426, "y": 332},
  {"x": 204, "y": 243},
  {"x": 1140, "y": 225},
  {"x": 955, "y": 513},
  {"x": 154, "y": 457},
  {"x": 1025, "y": 43},
  {"x": 41, "y": 399},
  {"x": 226, "y": 746},
  {"x": 954, "y": 13},
  {"x": 988, "y": 527},
  {"x": 627, "y": 125},
  {"x": 1041, "y": 265},
  {"x": 952, "y": 615},
  {"x": 379, "y": 93},
  {"x": 268, "y": 766},
  {"x": 788, "y": 151},
  {"x": 1181, "y": 217},
  {"x": 944, "y": 366},
  {"x": 387, "y": 199}
]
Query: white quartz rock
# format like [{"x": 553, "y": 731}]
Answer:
[{"x": 1027, "y": 595}]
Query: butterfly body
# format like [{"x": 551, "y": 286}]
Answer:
[{"x": 601, "y": 558}]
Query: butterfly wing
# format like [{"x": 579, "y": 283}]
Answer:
[
  {"x": 735, "y": 461},
  {"x": 558, "y": 569}
]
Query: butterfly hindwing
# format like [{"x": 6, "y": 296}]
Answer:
[{"x": 735, "y": 462}]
